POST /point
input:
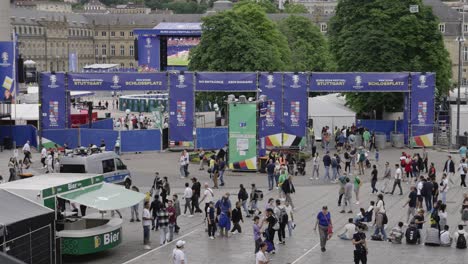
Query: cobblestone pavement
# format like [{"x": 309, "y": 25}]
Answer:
[{"x": 302, "y": 247}]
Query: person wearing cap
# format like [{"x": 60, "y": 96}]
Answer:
[
  {"x": 261, "y": 256},
  {"x": 178, "y": 255}
]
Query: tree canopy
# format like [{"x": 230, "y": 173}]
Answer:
[
  {"x": 309, "y": 48},
  {"x": 241, "y": 39},
  {"x": 382, "y": 35}
]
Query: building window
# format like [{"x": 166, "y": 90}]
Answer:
[
  {"x": 465, "y": 28},
  {"x": 442, "y": 28},
  {"x": 131, "y": 64},
  {"x": 131, "y": 33},
  {"x": 112, "y": 50},
  {"x": 112, "y": 33},
  {"x": 131, "y": 50},
  {"x": 104, "y": 49},
  {"x": 95, "y": 33},
  {"x": 465, "y": 53},
  {"x": 122, "y": 34},
  {"x": 35, "y": 31},
  {"x": 323, "y": 27},
  {"x": 122, "y": 50},
  {"x": 122, "y": 65},
  {"x": 103, "y": 33},
  {"x": 96, "y": 50}
]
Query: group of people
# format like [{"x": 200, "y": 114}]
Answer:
[{"x": 133, "y": 122}]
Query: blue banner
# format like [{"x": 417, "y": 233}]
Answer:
[
  {"x": 295, "y": 107},
  {"x": 359, "y": 82},
  {"x": 422, "y": 108},
  {"x": 148, "y": 52},
  {"x": 53, "y": 105},
  {"x": 181, "y": 107},
  {"x": 117, "y": 81},
  {"x": 7, "y": 75},
  {"x": 226, "y": 81},
  {"x": 270, "y": 123}
]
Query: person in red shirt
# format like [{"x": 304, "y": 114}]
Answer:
[
  {"x": 408, "y": 168},
  {"x": 171, "y": 211}
]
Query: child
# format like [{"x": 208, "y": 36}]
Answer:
[
  {"x": 211, "y": 214},
  {"x": 396, "y": 234},
  {"x": 175, "y": 198}
]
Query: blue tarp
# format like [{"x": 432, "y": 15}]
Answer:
[
  {"x": 101, "y": 124},
  {"x": 62, "y": 136},
  {"x": 212, "y": 137},
  {"x": 20, "y": 134},
  {"x": 140, "y": 140},
  {"x": 384, "y": 126},
  {"x": 94, "y": 136}
]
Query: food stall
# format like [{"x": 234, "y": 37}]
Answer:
[{"x": 80, "y": 235}]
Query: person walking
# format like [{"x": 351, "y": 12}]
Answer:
[
  {"x": 243, "y": 198},
  {"x": 201, "y": 156},
  {"x": 357, "y": 187},
  {"x": 334, "y": 167},
  {"x": 215, "y": 174},
  {"x": 324, "y": 223},
  {"x": 224, "y": 221},
  {"x": 171, "y": 212},
  {"x": 347, "y": 160},
  {"x": 462, "y": 170},
  {"x": 386, "y": 178},
  {"x": 348, "y": 195},
  {"x": 27, "y": 153},
  {"x": 341, "y": 190},
  {"x": 43, "y": 157},
  {"x": 182, "y": 165},
  {"x": 411, "y": 202},
  {"x": 282, "y": 216},
  {"x": 361, "y": 159},
  {"x": 425, "y": 159},
  {"x": 426, "y": 193},
  {"x": 222, "y": 169},
  {"x": 257, "y": 232},
  {"x": 273, "y": 226},
  {"x": 254, "y": 200},
  {"x": 270, "y": 169},
  {"x": 12, "y": 166},
  {"x": 154, "y": 209},
  {"x": 236, "y": 217},
  {"x": 380, "y": 216},
  {"x": 196, "y": 186},
  {"x": 210, "y": 220},
  {"x": 361, "y": 251},
  {"x": 147, "y": 219},
  {"x": 175, "y": 199},
  {"x": 397, "y": 179},
  {"x": 134, "y": 209},
  {"x": 374, "y": 179},
  {"x": 117, "y": 146},
  {"x": 178, "y": 255},
  {"x": 165, "y": 190},
  {"x": 187, "y": 162},
  {"x": 366, "y": 137},
  {"x": 443, "y": 188},
  {"x": 449, "y": 169},
  {"x": 188, "y": 193},
  {"x": 288, "y": 188},
  {"x": 326, "y": 163},
  {"x": 315, "y": 167},
  {"x": 208, "y": 196},
  {"x": 163, "y": 222}
]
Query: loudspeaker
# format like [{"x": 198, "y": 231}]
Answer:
[
  {"x": 20, "y": 69},
  {"x": 90, "y": 114},
  {"x": 163, "y": 53}
]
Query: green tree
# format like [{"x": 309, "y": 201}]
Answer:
[
  {"x": 309, "y": 48},
  {"x": 292, "y": 8},
  {"x": 241, "y": 39},
  {"x": 382, "y": 35}
]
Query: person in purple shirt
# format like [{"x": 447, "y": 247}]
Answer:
[{"x": 257, "y": 232}]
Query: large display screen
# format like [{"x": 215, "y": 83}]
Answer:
[{"x": 178, "y": 50}]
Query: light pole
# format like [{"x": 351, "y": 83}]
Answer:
[{"x": 461, "y": 40}]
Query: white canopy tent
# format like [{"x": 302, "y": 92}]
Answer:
[{"x": 330, "y": 110}]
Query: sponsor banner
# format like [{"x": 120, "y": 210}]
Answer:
[
  {"x": 53, "y": 104},
  {"x": 233, "y": 81},
  {"x": 243, "y": 136},
  {"x": 295, "y": 105},
  {"x": 91, "y": 244},
  {"x": 117, "y": 81},
  {"x": 422, "y": 104},
  {"x": 148, "y": 52},
  {"x": 7, "y": 73},
  {"x": 181, "y": 107},
  {"x": 359, "y": 82},
  {"x": 271, "y": 112}
]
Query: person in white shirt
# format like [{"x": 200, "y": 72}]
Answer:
[
  {"x": 147, "y": 219},
  {"x": 178, "y": 255},
  {"x": 188, "y": 199},
  {"x": 49, "y": 161},
  {"x": 350, "y": 229},
  {"x": 208, "y": 196},
  {"x": 445, "y": 237},
  {"x": 182, "y": 165},
  {"x": 27, "y": 152},
  {"x": 443, "y": 188},
  {"x": 261, "y": 256},
  {"x": 462, "y": 170},
  {"x": 397, "y": 180},
  {"x": 289, "y": 211},
  {"x": 460, "y": 232},
  {"x": 43, "y": 157}
]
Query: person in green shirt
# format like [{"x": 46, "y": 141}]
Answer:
[
  {"x": 357, "y": 186},
  {"x": 366, "y": 136},
  {"x": 282, "y": 178}
]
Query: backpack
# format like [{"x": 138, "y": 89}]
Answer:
[
  {"x": 461, "y": 241},
  {"x": 276, "y": 225},
  {"x": 259, "y": 194},
  {"x": 384, "y": 219},
  {"x": 334, "y": 162},
  {"x": 465, "y": 214},
  {"x": 346, "y": 155},
  {"x": 411, "y": 235},
  {"x": 244, "y": 195},
  {"x": 435, "y": 218},
  {"x": 283, "y": 217},
  {"x": 362, "y": 157}
]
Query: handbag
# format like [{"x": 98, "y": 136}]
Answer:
[{"x": 330, "y": 227}]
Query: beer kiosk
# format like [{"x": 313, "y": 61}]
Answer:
[{"x": 80, "y": 235}]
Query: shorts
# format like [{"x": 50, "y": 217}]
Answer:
[{"x": 420, "y": 198}]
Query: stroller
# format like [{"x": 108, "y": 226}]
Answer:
[{"x": 301, "y": 165}]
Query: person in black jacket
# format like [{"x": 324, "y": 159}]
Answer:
[
  {"x": 426, "y": 192},
  {"x": 236, "y": 217},
  {"x": 196, "y": 186},
  {"x": 243, "y": 198},
  {"x": 326, "y": 164},
  {"x": 288, "y": 188},
  {"x": 154, "y": 209},
  {"x": 449, "y": 168}
]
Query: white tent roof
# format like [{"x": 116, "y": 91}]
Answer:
[
  {"x": 100, "y": 66},
  {"x": 332, "y": 105},
  {"x": 24, "y": 112}
]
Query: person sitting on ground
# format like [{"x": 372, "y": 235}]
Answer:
[
  {"x": 445, "y": 237},
  {"x": 412, "y": 234},
  {"x": 460, "y": 237},
  {"x": 349, "y": 230},
  {"x": 432, "y": 236},
  {"x": 396, "y": 234}
]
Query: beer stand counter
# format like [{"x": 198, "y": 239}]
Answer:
[{"x": 80, "y": 235}]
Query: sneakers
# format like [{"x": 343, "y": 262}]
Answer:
[
  {"x": 233, "y": 233},
  {"x": 138, "y": 220},
  {"x": 131, "y": 220},
  {"x": 350, "y": 212},
  {"x": 190, "y": 215},
  {"x": 147, "y": 247},
  {"x": 211, "y": 237},
  {"x": 342, "y": 211},
  {"x": 357, "y": 202}
]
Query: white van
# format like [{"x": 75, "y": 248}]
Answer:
[{"x": 107, "y": 163}]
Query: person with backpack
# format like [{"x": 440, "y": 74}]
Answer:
[
  {"x": 223, "y": 206},
  {"x": 412, "y": 234},
  {"x": 462, "y": 170},
  {"x": 381, "y": 219},
  {"x": 282, "y": 216},
  {"x": 208, "y": 196},
  {"x": 361, "y": 159},
  {"x": 243, "y": 198},
  {"x": 460, "y": 237},
  {"x": 288, "y": 188},
  {"x": 254, "y": 198},
  {"x": 445, "y": 237},
  {"x": 324, "y": 223},
  {"x": 236, "y": 217}
]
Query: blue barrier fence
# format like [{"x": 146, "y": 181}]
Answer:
[
  {"x": 141, "y": 140},
  {"x": 383, "y": 126},
  {"x": 131, "y": 140},
  {"x": 101, "y": 124},
  {"x": 212, "y": 137},
  {"x": 20, "y": 134}
]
